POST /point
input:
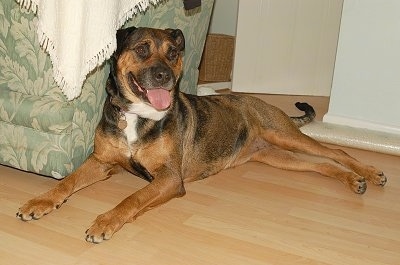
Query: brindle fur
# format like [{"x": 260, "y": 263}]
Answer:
[{"x": 197, "y": 137}]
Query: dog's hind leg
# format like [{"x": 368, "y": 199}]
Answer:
[
  {"x": 298, "y": 142},
  {"x": 91, "y": 171},
  {"x": 288, "y": 160}
]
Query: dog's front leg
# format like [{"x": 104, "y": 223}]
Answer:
[
  {"x": 157, "y": 192},
  {"x": 91, "y": 171}
]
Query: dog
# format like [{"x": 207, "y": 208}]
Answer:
[{"x": 169, "y": 138}]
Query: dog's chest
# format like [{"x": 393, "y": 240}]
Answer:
[
  {"x": 136, "y": 111},
  {"x": 131, "y": 128}
]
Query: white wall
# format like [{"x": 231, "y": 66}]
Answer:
[
  {"x": 224, "y": 17},
  {"x": 366, "y": 84}
]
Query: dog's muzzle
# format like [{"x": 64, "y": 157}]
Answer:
[{"x": 159, "y": 97}]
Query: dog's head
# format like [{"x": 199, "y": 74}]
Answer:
[{"x": 147, "y": 65}]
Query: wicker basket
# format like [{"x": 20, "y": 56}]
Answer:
[{"x": 216, "y": 63}]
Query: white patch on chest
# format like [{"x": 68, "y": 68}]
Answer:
[
  {"x": 139, "y": 110},
  {"x": 130, "y": 130}
]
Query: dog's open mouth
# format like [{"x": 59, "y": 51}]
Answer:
[{"x": 158, "y": 97}]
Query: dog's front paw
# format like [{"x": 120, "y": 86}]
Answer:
[
  {"x": 37, "y": 208},
  {"x": 103, "y": 227}
]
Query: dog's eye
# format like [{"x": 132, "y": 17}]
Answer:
[
  {"x": 142, "y": 51},
  {"x": 173, "y": 54}
]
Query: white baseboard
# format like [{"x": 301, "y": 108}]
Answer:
[
  {"x": 346, "y": 121},
  {"x": 377, "y": 141}
]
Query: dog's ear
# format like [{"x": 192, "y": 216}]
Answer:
[
  {"x": 111, "y": 86},
  {"x": 178, "y": 37},
  {"x": 122, "y": 34}
]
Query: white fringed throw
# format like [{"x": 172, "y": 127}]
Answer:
[{"x": 80, "y": 34}]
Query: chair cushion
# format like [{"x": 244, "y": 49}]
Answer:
[{"x": 41, "y": 113}]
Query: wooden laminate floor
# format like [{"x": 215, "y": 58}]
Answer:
[{"x": 252, "y": 214}]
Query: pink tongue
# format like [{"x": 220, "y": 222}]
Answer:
[{"x": 159, "y": 98}]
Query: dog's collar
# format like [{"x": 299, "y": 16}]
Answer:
[{"x": 121, "y": 123}]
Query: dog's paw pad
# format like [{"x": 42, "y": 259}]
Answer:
[
  {"x": 103, "y": 228},
  {"x": 378, "y": 179},
  {"x": 381, "y": 180},
  {"x": 96, "y": 238},
  {"x": 360, "y": 187},
  {"x": 27, "y": 216},
  {"x": 356, "y": 183},
  {"x": 24, "y": 217},
  {"x": 37, "y": 208}
]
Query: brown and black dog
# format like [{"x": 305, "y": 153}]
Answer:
[{"x": 169, "y": 138}]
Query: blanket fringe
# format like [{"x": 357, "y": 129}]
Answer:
[
  {"x": 69, "y": 90},
  {"x": 28, "y": 5},
  {"x": 140, "y": 7},
  {"x": 72, "y": 91}
]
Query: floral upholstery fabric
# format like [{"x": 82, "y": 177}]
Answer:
[{"x": 42, "y": 132}]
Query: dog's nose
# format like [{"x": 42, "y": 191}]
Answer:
[{"x": 162, "y": 75}]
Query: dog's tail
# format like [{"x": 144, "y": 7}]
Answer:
[{"x": 307, "y": 117}]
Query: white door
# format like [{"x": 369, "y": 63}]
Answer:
[{"x": 286, "y": 46}]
